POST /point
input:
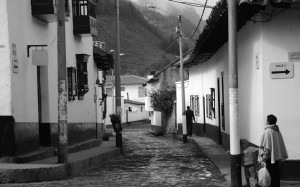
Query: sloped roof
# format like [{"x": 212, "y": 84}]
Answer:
[
  {"x": 215, "y": 33},
  {"x": 128, "y": 80},
  {"x": 133, "y": 102},
  {"x": 176, "y": 62}
]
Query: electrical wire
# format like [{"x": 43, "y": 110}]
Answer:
[
  {"x": 191, "y": 37},
  {"x": 190, "y": 4}
]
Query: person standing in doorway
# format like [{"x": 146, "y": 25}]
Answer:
[
  {"x": 189, "y": 120},
  {"x": 272, "y": 150}
]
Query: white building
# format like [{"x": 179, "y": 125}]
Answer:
[
  {"x": 133, "y": 98},
  {"x": 29, "y": 74},
  {"x": 131, "y": 87},
  {"x": 268, "y": 76}
]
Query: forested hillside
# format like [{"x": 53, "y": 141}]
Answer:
[{"x": 146, "y": 45}]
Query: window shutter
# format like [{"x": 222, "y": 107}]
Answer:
[
  {"x": 82, "y": 75},
  {"x": 72, "y": 87}
]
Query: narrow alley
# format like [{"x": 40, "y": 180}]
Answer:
[{"x": 148, "y": 161}]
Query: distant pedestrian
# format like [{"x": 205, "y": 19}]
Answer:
[
  {"x": 272, "y": 149},
  {"x": 189, "y": 120}
]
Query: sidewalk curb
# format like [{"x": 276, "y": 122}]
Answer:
[{"x": 34, "y": 172}]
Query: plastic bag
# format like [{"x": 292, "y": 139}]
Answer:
[{"x": 264, "y": 177}]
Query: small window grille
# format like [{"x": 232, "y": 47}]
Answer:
[
  {"x": 82, "y": 75},
  {"x": 194, "y": 104},
  {"x": 80, "y": 8},
  {"x": 72, "y": 83}
]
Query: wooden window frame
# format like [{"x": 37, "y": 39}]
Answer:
[
  {"x": 82, "y": 75},
  {"x": 72, "y": 83}
]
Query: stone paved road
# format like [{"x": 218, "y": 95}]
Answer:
[{"x": 148, "y": 161}]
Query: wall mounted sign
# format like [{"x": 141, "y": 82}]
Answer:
[
  {"x": 294, "y": 56},
  {"x": 40, "y": 57},
  {"x": 281, "y": 70}
]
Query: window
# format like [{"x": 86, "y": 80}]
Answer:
[
  {"x": 208, "y": 111},
  {"x": 212, "y": 101},
  {"x": 109, "y": 91},
  {"x": 210, "y": 104},
  {"x": 72, "y": 83},
  {"x": 82, "y": 75},
  {"x": 67, "y": 8},
  {"x": 194, "y": 104},
  {"x": 141, "y": 91},
  {"x": 80, "y": 8}
]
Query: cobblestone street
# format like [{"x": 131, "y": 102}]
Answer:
[{"x": 148, "y": 161}]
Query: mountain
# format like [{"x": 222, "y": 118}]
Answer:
[{"x": 146, "y": 46}]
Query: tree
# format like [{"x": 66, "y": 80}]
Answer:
[{"x": 163, "y": 97}]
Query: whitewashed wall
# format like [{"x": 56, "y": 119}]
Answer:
[
  {"x": 250, "y": 82},
  {"x": 156, "y": 118},
  {"x": 24, "y": 29},
  {"x": 259, "y": 44},
  {"x": 133, "y": 92},
  {"x": 5, "y": 68},
  {"x": 281, "y": 96},
  {"x": 109, "y": 110},
  {"x": 204, "y": 76},
  {"x": 187, "y": 88},
  {"x": 137, "y": 114}
]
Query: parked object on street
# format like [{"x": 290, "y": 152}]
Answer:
[
  {"x": 117, "y": 126},
  {"x": 116, "y": 122},
  {"x": 272, "y": 149}
]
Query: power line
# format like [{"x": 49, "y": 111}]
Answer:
[
  {"x": 190, "y": 4},
  {"x": 199, "y": 21}
]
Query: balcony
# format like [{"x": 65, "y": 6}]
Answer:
[
  {"x": 103, "y": 60},
  {"x": 44, "y": 10},
  {"x": 84, "y": 18}
]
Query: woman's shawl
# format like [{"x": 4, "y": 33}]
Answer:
[{"x": 273, "y": 141}]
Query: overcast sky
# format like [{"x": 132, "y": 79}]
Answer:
[{"x": 164, "y": 4}]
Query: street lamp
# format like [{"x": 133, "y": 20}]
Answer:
[{"x": 178, "y": 31}]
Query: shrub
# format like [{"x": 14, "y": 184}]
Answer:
[{"x": 162, "y": 98}]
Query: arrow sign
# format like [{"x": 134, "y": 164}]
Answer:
[
  {"x": 281, "y": 70},
  {"x": 278, "y": 72}
]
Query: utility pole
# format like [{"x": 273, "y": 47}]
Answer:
[
  {"x": 62, "y": 85},
  {"x": 113, "y": 92},
  {"x": 235, "y": 151},
  {"x": 117, "y": 62},
  {"x": 184, "y": 129},
  {"x": 117, "y": 75}
]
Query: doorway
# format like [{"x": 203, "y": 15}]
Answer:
[
  {"x": 42, "y": 89},
  {"x": 219, "y": 111}
]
